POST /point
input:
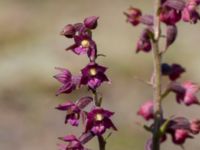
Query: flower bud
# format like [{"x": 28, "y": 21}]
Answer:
[
  {"x": 91, "y": 22},
  {"x": 68, "y": 31},
  {"x": 169, "y": 16},
  {"x": 174, "y": 71},
  {"x": 146, "y": 110},
  {"x": 144, "y": 43},
  {"x": 171, "y": 35},
  {"x": 133, "y": 16}
]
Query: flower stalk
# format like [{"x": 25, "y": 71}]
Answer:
[
  {"x": 102, "y": 143},
  {"x": 157, "y": 78},
  {"x": 101, "y": 140}
]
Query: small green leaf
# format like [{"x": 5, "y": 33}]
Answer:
[{"x": 163, "y": 127}]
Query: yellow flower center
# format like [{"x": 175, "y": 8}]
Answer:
[
  {"x": 85, "y": 43},
  {"x": 93, "y": 71},
  {"x": 99, "y": 117}
]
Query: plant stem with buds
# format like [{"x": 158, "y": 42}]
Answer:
[{"x": 157, "y": 78}]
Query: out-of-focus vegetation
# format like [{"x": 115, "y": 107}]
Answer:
[{"x": 30, "y": 48}]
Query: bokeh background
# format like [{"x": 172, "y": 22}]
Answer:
[{"x": 30, "y": 48}]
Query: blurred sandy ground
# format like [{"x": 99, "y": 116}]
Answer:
[{"x": 30, "y": 48}]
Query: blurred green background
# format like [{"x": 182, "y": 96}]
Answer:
[{"x": 30, "y": 48}]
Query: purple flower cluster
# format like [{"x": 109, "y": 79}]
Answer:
[
  {"x": 170, "y": 12},
  {"x": 82, "y": 35},
  {"x": 97, "y": 120},
  {"x": 180, "y": 128}
]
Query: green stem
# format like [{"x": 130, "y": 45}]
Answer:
[
  {"x": 97, "y": 100},
  {"x": 165, "y": 94}
]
